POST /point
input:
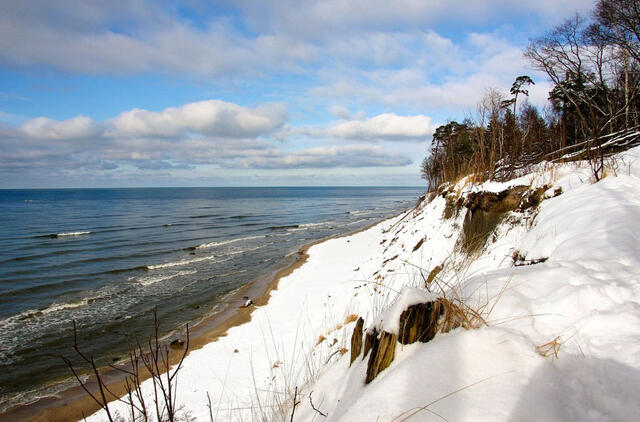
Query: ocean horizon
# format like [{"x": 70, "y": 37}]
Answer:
[{"x": 107, "y": 257}]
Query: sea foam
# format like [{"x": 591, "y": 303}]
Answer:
[
  {"x": 146, "y": 281},
  {"x": 226, "y": 242},
  {"x": 180, "y": 263}
]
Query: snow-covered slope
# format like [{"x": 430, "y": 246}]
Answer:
[{"x": 561, "y": 339}]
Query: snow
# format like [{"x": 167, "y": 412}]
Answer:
[
  {"x": 561, "y": 341},
  {"x": 389, "y": 320}
]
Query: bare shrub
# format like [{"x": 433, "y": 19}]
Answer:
[{"x": 151, "y": 360}]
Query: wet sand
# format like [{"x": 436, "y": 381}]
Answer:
[{"x": 74, "y": 404}]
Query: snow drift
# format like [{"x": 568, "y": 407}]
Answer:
[{"x": 556, "y": 284}]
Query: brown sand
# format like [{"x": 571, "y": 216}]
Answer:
[{"x": 74, "y": 404}]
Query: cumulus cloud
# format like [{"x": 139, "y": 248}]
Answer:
[
  {"x": 367, "y": 56},
  {"x": 211, "y": 133},
  {"x": 80, "y": 127},
  {"x": 162, "y": 165},
  {"x": 348, "y": 156},
  {"x": 212, "y": 118},
  {"x": 382, "y": 127},
  {"x": 150, "y": 38},
  {"x": 388, "y": 126}
]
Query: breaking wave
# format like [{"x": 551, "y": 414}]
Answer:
[
  {"x": 68, "y": 234},
  {"x": 361, "y": 212},
  {"x": 226, "y": 242},
  {"x": 180, "y": 263},
  {"x": 146, "y": 281},
  {"x": 54, "y": 307}
]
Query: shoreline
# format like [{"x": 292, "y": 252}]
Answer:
[{"x": 73, "y": 403}]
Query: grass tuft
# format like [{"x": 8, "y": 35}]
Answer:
[{"x": 551, "y": 348}]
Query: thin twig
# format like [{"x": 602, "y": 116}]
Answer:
[
  {"x": 209, "y": 406},
  {"x": 314, "y": 408},
  {"x": 295, "y": 403}
]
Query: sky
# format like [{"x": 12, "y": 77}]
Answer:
[{"x": 139, "y": 93}]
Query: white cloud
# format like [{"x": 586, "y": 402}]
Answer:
[
  {"x": 80, "y": 127},
  {"x": 382, "y": 127},
  {"x": 212, "y": 118},
  {"x": 486, "y": 60},
  {"x": 340, "y": 112},
  {"x": 367, "y": 55},
  {"x": 288, "y": 34},
  {"x": 211, "y": 132},
  {"x": 387, "y": 126},
  {"x": 320, "y": 17},
  {"x": 348, "y": 156}
]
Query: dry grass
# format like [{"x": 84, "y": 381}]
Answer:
[
  {"x": 456, "y": 314},
  {"x": 433, "y": 274},
  {"x": 350, "y": 318},
  {"x": 551, "y": 348},
  {"x": 336, "y": 328},
  {"x": 452, "y": 207}
]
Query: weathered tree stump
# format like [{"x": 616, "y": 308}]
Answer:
[
  {"x": 368, "y": 341},
  {"x": 356, "y": 340},
  {"x": 419, "y": 322},
  {"x": 382, "y": 354}
]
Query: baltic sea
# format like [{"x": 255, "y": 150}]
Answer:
[{"x": 106, "y": 258}]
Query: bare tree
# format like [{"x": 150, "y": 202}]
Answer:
[
  {"x": 619, "y": 24},
  {"x": 152, "y": 359}
]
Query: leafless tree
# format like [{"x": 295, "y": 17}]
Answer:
[{"x": 151, "y": 359}]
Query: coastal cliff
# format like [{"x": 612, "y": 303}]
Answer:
[{"x": 542, "y": 281}]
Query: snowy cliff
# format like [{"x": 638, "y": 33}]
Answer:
[
  {"x": 546, "y": 267},
  {"x": 558, "y": 288}
]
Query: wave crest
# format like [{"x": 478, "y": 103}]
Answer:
[{"x": 226, "y": 242}]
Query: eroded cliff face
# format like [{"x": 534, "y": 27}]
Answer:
[
  {"x": 423, "y": 316},
  {"x": 536, "y": 272}
]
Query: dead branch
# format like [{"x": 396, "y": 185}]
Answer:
[{"x": 314, "y": 408}]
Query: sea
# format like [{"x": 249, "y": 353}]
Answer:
[{"x": 106, "y": 258}]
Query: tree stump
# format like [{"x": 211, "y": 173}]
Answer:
[
  {"x": 368, "y": 341},
  {"x": 382, "y": 354},
  {"x": 419, "y": 322},
  {"x": 356, "y": 340}
]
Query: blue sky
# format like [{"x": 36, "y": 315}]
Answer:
[{"x": 248, "y": 92}]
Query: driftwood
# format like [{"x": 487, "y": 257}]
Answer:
[
  {"x": 356, "y": 340},
  {"x": 368, "y": 341},
  {"x": 382, "y": 354},
  {"x": 419, "y": 322}
]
